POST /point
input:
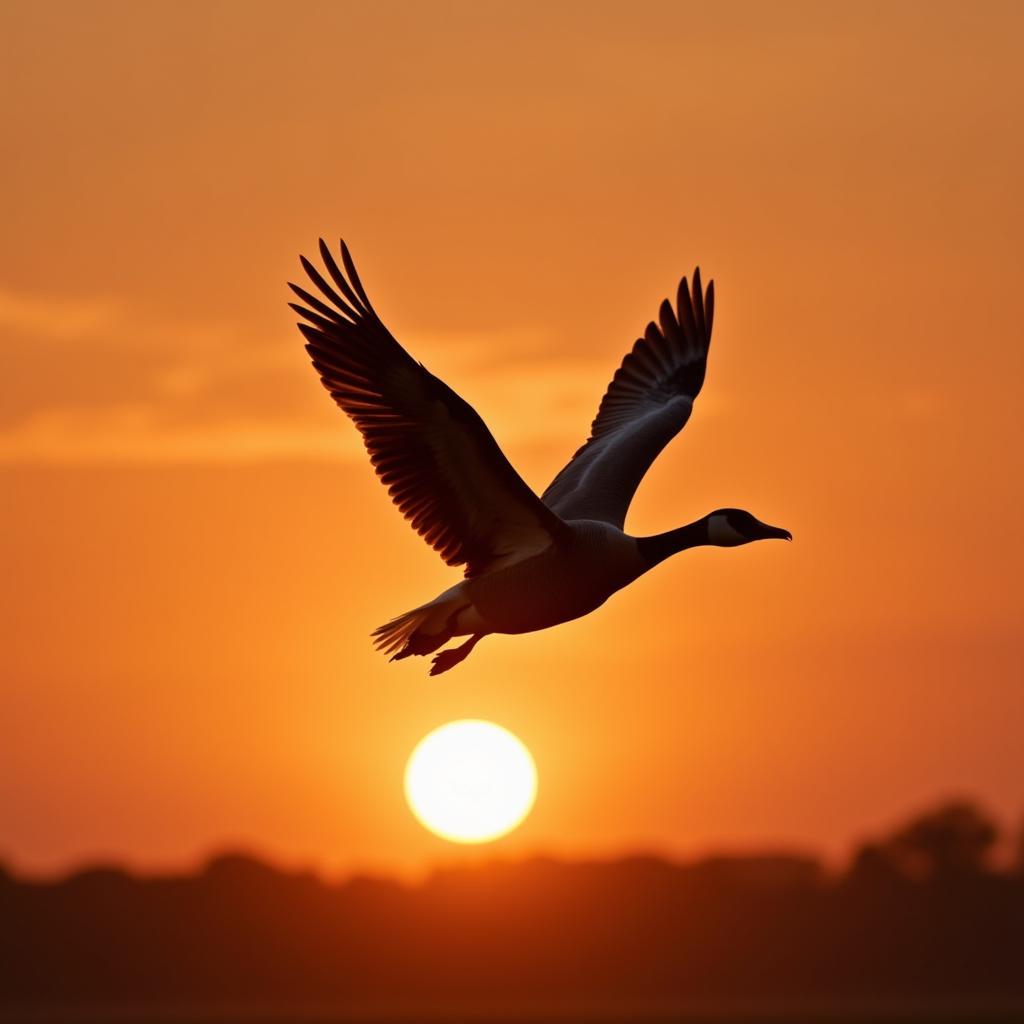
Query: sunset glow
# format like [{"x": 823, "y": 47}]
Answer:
[{"x": 196, "y": 548}]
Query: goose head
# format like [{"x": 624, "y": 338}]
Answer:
[{"x": 730, "y": 527}]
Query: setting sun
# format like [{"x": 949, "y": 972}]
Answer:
[{"x": 470, "y": 781}]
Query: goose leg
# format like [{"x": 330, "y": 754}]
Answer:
[{"x": 450, "y": 658}]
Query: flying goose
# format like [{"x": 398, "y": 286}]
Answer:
[{"x": 529, "y": 562}]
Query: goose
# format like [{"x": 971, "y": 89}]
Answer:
[{"x": 529, "y": 562}]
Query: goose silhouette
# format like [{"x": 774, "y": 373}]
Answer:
[{"x": 530, "y": 562}]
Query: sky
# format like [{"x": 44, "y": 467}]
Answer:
[{"x": 195, "y": 548}]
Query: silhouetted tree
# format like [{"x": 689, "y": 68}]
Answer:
[
  {"x": 953, "y": 840},
  {"x": 873, "y": 865},
  {"x": 636, "y": 931},
  {"x": 1018, "y": 861}
]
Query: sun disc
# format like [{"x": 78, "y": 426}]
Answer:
[{"x": 470, "y": 781}]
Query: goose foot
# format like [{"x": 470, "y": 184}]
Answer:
[{"x": 450, "y": 658}]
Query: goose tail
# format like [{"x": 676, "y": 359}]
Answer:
[
  {"x": 420, "y": 631},
  {"x": 393, "y": 637}
]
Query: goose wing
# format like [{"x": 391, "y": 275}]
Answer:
[
  {"x": 433, "y": 452},
  {"x": 647, "y": 403}
]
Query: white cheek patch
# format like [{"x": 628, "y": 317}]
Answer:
[{"x": 720, "y": 532}]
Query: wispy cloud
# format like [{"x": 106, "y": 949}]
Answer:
[
  {"x": 124, "y": 391},
  {"x": 139, "y": 434},
  {"x": 61, "y": 319}
]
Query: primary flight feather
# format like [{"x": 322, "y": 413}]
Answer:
[{"x": 529, "y": 562}]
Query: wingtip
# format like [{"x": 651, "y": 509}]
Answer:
[
  {"x": 346, "y": 257},
  {"x": 666, "y": 317}
]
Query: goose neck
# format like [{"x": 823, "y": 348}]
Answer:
[{"x": 662, "y": 545}]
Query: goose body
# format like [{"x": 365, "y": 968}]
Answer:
[
  {"x": 562, "y": 582},
  {"x": 530, "y": 562}
]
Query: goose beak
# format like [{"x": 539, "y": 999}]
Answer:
[{"x": 777, "y": 531}]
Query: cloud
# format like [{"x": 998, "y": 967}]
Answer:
[
  {"x": 91, "y": 381},
  {"x": 60, "y": 319},
  {"x": 137, "y": 433},
  {"x": 195, "y": 416}
]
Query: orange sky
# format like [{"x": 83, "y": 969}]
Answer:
[{"x": 195, "y": 547}]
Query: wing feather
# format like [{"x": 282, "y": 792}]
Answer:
[
  {"x": 433, "y": 452},
  {"x": 647, "y": 403}
]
